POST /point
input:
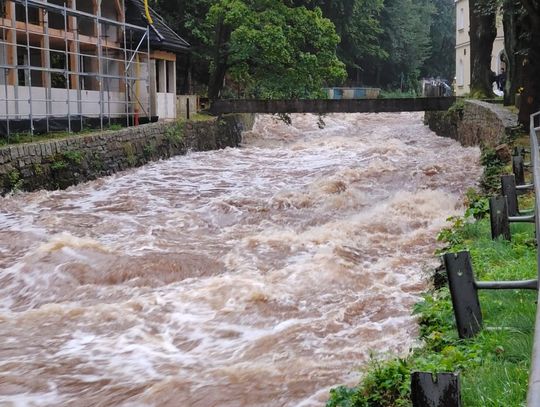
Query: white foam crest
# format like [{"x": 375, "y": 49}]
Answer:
[{"x": 285, "y": 262}]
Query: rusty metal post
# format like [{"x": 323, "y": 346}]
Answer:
[
  {"x": 508, "y": 189},
  {"x": 435, "y": 390},
  {"x": 518, "y": 168},
  {"x": 498, "y": 215},
  {"x": 464, "y": 293}
]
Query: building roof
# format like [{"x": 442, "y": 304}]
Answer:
[{"x": 161, "y": 35}]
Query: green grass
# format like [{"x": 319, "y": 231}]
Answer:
[
  {"x": 396, "y": 94},
  {"x": 494, "y": 365},
  {"x": 20, "y": 138}
]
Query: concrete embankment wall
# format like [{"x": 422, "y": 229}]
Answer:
[
  {"x": 60, "y": 163},
  {"x": 473, "y": 122}
]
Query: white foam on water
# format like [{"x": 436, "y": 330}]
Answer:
[{"x": 257, "y": 276}]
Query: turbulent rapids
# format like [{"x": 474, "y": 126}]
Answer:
[{"x": 258, "y": 276}]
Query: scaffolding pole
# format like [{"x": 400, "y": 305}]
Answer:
[
  {"x": 6, "y": 77},
  {"x": 28, "y": 71},
  {"x": 80, "y": 56},
  {"x": 66, "y": 68}
]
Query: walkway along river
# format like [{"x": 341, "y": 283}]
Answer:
[{"x": 257, "y": 276}]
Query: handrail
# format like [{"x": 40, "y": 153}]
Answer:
[{"x": 533, "y": 394}]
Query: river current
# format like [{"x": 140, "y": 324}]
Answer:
[{"x": 256, "y": 276}]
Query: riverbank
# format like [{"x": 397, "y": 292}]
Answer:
[
  {"x": 59, "y": 163},
  {"x": 249, "y": 276},
  {"x": 494, "y": 365}
]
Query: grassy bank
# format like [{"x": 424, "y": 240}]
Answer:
[{"x": 494, "y": 365}]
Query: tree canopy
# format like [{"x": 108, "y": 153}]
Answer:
[
  {"x": 294, "y": 47},
  {"x": 274, "y": 50}
]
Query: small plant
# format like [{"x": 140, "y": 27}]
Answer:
[
  {"x": 114, "y": 127},
  {"x": 75, "y": 157},
  {"x": 58, "y": 165},
  {"x": 96, "y": 162},
  {"x": 456, "y": 109},
  {"x": 38, "y": 169},
  {"x": 129, "y": 151},
  {"x": 452, "y": 235},
  {"x": 477, "y": 205},
  {"x": 15, "y": 181},
  {"x": 493, "y": 169},
  {"x": 175, "y": 134},
  {"x": 149, "y": 150}
]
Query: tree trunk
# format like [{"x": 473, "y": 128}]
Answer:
[
  {"x": 221, "y": 55},
  {"x": 530, "y": 98},
  {"x": 512, "y": 43},
  {"x": 482, "y": 34}
]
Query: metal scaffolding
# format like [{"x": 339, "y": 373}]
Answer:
[{"x": 65, "y": 68}]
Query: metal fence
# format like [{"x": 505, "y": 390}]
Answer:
[
  {"x": 464, "y": 288},
  {"x": 533, "y": 394},
  {"x": 64, "y": 65}
]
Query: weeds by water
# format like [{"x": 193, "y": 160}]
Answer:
[{"x": 494, "y": 365}]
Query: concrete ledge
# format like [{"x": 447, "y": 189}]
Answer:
[
  {"x": 331, "y": 106},
  {"x": 475, "y": 123}
]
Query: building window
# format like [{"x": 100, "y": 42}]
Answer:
[
  {"x": 58, "y": 61},
  {"x": 461, "y": 19},
  {"x": 33, "y": 14},
  {"x": 460, "y": 73}
]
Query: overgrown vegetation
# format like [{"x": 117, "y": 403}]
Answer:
[
  {"x": 14, "y": 180},
  {"x": 493, "y": 365},
  {"x": 290, "y": 48},
  {"x": 493, "y": 168},
  {"x": 175, "y": 133}
]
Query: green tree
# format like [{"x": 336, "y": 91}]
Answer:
[
  {"x": 406, "y": 40},
  {"x": 358, "y": 25},
  {"x": 272, "y": 49},
  {"x": 442, "y": 59},
  {"x": 482, "y": 33}
]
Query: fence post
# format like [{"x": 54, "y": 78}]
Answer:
[
  {"x": 464, "y": 293},
  {"x": 439, "y": 390},
  {"x": 498, "y": 216},
  {"x": 518, "y": 168},
  {"x": 508, "y": 189}
]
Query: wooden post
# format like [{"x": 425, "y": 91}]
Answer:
[
  {"x": 508, "y": 189},
  {"x": 435, "y": 390},
  {"x": 498, "y": 215},
  {"x": 464, "y": 294},
  {"x": 518, "y": 169}
]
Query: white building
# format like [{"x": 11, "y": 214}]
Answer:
[{"x": 463, "y": 49}]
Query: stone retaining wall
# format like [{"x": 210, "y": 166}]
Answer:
[
  {"x": 473, "y": 122},
  {"x": 60, "y": 163}
]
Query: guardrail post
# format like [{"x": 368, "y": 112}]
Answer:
[
  {"x": 519, "y": 150},
  {"x": 464, "y": 293},
  {"x": 508, "y": 189},
  {"x": 435, "y": 390},
  {"x": 498, "y": 216},
  {"x": 518, "y": 168}
]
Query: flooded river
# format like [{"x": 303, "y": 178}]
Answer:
[{"x": 257, "y": 276}]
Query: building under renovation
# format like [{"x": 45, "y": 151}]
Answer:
[{"x": 71, "y": 64}]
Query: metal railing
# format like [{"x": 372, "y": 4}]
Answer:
[
  {"x": 464, "y": 287},
  {"x": 533, "y": 394}
]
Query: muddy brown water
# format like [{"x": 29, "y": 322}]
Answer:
[{"x": 257, "y": 276}]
